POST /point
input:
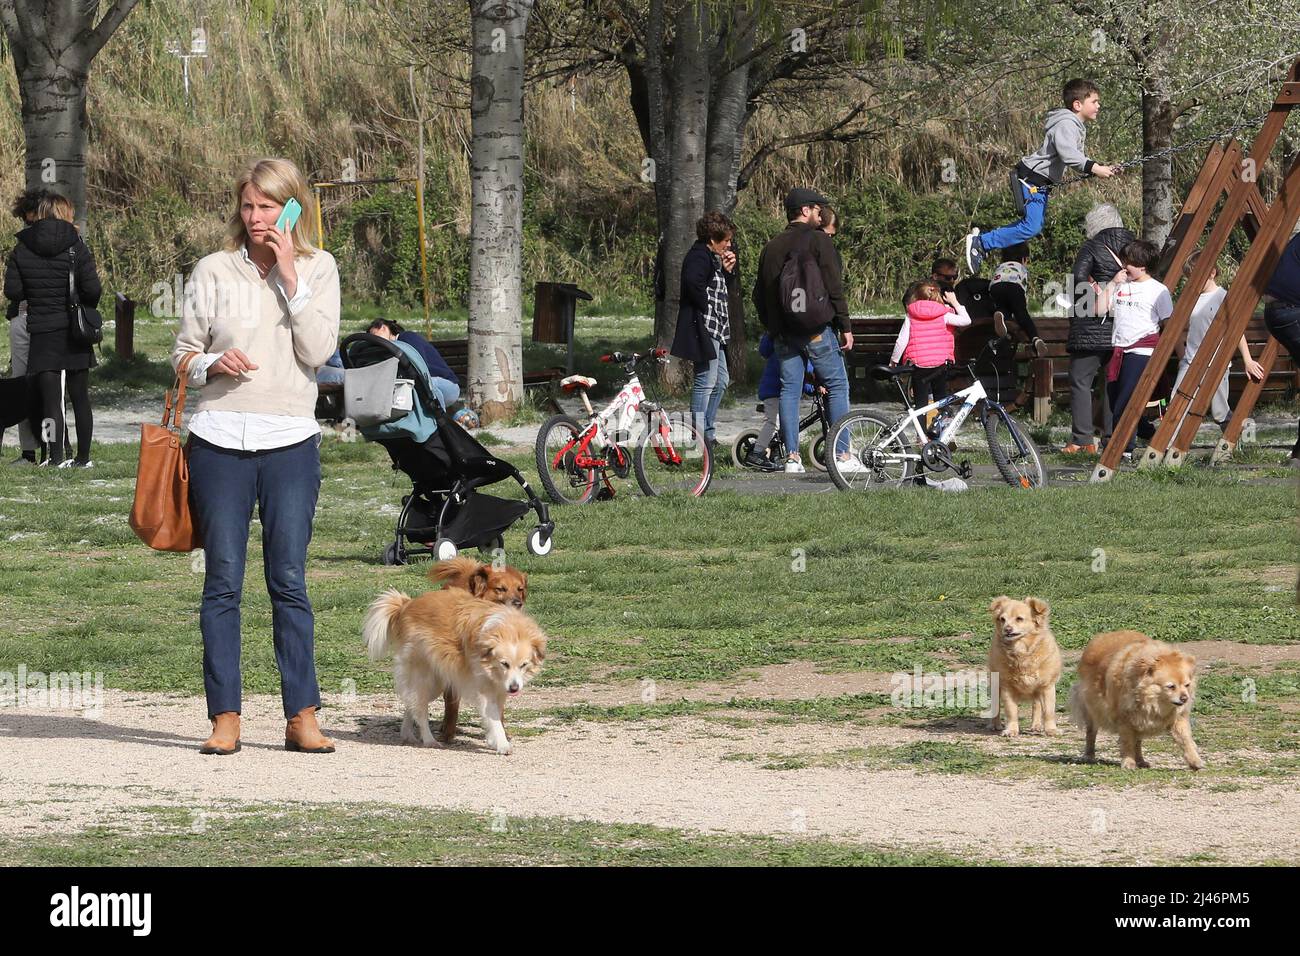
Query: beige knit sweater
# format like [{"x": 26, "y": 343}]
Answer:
[{"x": 228, "y": 305}]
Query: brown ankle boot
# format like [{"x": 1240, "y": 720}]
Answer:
[
  {"x": 302, "y": 734},
  {"x": 225, "y": 735}
]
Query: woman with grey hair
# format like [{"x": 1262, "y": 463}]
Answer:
[{"x": 1089, "y": 342}]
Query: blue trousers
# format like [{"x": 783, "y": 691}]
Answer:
[
  {"x": 1121, "y": 390},
  {"x": 1030, "y": 225},
  {"x": 284, "y": 484},
  {"x": 828, "y": 362},
  {"x": 711, "y": 381}
]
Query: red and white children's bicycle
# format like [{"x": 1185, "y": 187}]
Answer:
[{"x": 575, "y": 461}]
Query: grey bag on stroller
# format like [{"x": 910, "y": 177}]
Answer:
[{"x": 374, "y": 395}]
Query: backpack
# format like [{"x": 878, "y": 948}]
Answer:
[{"x": 805, "y": 303}]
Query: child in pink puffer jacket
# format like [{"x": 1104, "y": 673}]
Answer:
[{"x": 926, "y": 338}]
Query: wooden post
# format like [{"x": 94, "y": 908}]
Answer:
[
  {"x": 1042, "y": 390},
  {"x": 124, "y": 326}
]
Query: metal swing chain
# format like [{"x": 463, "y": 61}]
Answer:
[{"x": 1172, "y": 150}]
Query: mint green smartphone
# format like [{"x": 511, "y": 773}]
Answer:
[{"x": 289, "y": 214}]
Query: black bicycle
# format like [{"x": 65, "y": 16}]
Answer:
[{"x": 776, "y": 450}]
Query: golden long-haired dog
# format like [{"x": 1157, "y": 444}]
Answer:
[
  {"x": 451, "y": 643},
  {"x": 502, "y": 585},
  {"x": 1027, "y": 661},
  {"x": 1136, "y": 687}
]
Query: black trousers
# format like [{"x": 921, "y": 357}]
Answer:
[{"x": 52, "y": 429}]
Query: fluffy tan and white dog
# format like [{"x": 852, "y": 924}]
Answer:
[
  {"x": 501, "y": 585},
  {"x": 1136, "y": 687},
  {"x": 453, "y": 644},
  {"x": 1027, "y": 661}
]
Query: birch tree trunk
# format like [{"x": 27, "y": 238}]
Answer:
[
  {"x": 496, "y": 383},
  {"x": 53, "y": 45},
  {"x": 1158, "y": 201}
]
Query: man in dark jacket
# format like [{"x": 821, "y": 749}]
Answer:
[
  {"x": 1089, "y": 342},
  {"x": 821, "y": 346}
]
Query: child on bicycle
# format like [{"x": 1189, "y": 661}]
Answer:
[
  {"x": 926, "y": 339},
  {"x": 769, "y": 393}
]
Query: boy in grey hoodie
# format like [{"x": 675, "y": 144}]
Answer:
[{"x": 1031, "y": 180}]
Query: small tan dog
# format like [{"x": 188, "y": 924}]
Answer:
[
  {"x": 1027, "y": 661},
  {"x": 504, "y": 585},
  {"x": 1136, "y": 687},
  {"x": 451, "y": 643}
]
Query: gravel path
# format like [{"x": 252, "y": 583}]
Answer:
[{"x": 63, "y": 771}]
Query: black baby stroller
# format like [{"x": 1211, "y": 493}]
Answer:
[{"x": 445, "y": 512}]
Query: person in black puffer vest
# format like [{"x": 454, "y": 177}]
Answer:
[
  {"x": 1089, "y": 341},
  {"x": 37, "y": 273}
]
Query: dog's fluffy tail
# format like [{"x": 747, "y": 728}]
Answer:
[
  {"x": 377, "y": 632},
  {"x": 1078, "y": 712},
  {"x": 454, "y": 572}
]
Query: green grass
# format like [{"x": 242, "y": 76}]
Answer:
[
  {"x": 693, "y": 590},
  {"x": 377, "y": 834}
]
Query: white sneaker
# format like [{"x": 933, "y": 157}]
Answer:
[
  {"x": 850, "y": 466},
  {"x": 66, "y": 463},
  {"x": 793, "y": 466}
]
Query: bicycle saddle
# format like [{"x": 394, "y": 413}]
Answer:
[
  {"x": 891, "y": 371},
  {"x": 574, "y": 382}
]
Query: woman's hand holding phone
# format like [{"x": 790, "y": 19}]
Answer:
[{"x": 280, "y": 238}]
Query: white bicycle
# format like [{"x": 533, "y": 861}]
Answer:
[
  {"x": 575, "y": 461},
  {"x": 884, "y": 453}
]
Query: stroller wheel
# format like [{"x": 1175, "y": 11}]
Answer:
[
  {"x": 496, "y": 544},
  {"x": 444, "y": 549},
  {"x": 392, "y": 556},
  {"x": 540, "y": 543}
]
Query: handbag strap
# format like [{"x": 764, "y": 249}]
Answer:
[
  {"x": 73, "y": 299},
  {"x": 172, "y": 416}
]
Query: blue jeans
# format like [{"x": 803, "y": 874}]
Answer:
[
  {"x": 711, "y": 380},
  {"x": 828, "y": 362},
  {"x": 284, "y": 484},
  {"x": 1121, "y": 391},
  {"x": 447, "y": 391},
  {"x": 1024, "y": 229}
]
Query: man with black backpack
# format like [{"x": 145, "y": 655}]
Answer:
[{"x": 799, "y": 294}]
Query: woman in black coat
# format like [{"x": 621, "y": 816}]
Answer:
[
  {"x": 37, "y": 273},
  {"x": 1089, "y": 339},
  {"x": 703, "y": 318}
]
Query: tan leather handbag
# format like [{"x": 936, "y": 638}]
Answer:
[{"x": 160, "y": 515}]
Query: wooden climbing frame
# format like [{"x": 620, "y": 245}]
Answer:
[{"x": 1268, "y": 227}]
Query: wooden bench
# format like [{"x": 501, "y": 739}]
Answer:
[{"x": 1048, "y": 379}]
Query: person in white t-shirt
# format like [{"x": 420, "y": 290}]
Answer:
[
  {"x": 1207, "y": 307},
  {"x": 1140, "y": 305}
]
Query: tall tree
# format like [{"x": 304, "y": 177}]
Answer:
[
  {"x": 53, "y": 45},
  {"x": 1184, "y": 60},
  {"x": 698, "y": 72},
  {"x": 498, "y": 28}
]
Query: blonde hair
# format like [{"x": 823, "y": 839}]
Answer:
[
  {"x": 280, "y": 180},
  {"x": 55, "y": 206}
]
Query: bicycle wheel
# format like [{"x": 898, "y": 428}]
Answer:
[
  {"x": 673, "y": 458},
  {"x": 871, "y": 462},
  {"x": 817, "y": 453},
  {"x": 1013, "y": 452},
  {"x": 564, "y": 481},
  {"x": 743, "y": 445}
]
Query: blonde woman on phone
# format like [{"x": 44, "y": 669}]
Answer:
[{"x": 260, "y": 317}]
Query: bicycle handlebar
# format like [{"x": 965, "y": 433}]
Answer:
[{"x": 634, "y": 357}]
